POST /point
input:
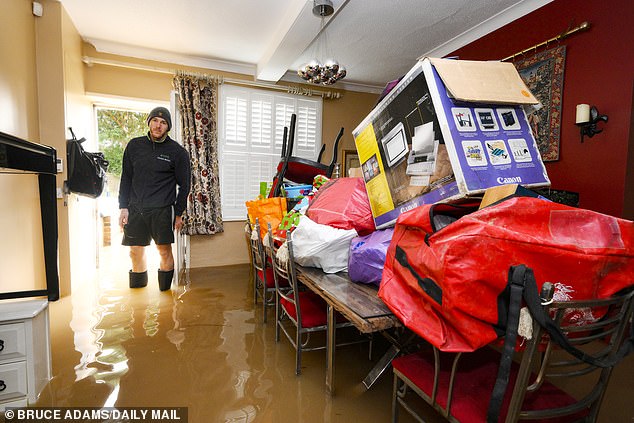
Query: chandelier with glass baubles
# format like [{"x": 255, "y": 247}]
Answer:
[{"x": 330, "y": 71}]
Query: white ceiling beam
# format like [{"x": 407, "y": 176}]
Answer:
[{"x": 110, "y": 47}]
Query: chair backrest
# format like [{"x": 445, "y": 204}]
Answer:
[
  {"x": 600, "y": 339},
  {"x": 248, "y": 231},
  {"x": 257, "y": 250},
  {"x": 288, "y": 139},
  {"x": 335, "y": 151},
  {"x": 284, "y": 269},
  {"x": 297, "y": 169}
]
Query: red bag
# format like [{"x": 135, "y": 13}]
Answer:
[
  {"x": 343, "y": 203},
  {"x": 447, "y": 285}
]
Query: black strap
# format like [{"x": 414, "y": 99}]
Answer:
[
  {"x": 538, "y": 313},
  {"x": 516, "y": 280},
  {"x": 523, "y": 285}
]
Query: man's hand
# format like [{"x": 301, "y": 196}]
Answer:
[
  {"x": 123, "y": 218},
  {"x": 178, "y": 222}
]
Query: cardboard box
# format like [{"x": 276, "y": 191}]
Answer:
[
  {"x": 450, "y": 129},
  {"x": 495, "y": 194}
]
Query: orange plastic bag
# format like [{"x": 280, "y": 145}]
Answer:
[{"x": 267, "y": 210}]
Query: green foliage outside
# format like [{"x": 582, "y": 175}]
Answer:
[{"x": 116, "y": 128}]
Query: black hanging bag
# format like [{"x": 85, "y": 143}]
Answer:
[{"x": 86, "y": 170}]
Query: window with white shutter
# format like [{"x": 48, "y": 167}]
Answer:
[{"x": 250, "y": 132}]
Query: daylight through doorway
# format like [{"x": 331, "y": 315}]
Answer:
[{"x": 115, "y": 127}]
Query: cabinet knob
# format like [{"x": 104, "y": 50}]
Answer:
[
  {"x": 3, "y": 385},
  {"x": 1, "y": 344}
]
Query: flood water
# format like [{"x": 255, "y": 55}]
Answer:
[{"x": 201, "y": 345}]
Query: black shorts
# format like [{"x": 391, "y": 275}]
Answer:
[{"x": 150, "y": 224}]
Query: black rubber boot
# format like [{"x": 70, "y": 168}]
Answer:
[
  {"x": 138, "y": 279},
  {"x": 165, "y": 279}
]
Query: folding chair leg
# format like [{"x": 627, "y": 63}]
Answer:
[
  {"x": 277, "y": 323},
  {"x": 277, "y": 317},
  {"x": 264, "y": 302},
  {"x": 394, "y": 399}
]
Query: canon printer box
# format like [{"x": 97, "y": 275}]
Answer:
[{"x": 449, "y": 129}]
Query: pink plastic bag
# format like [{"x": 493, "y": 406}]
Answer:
[{"x": 343, "y": 203}]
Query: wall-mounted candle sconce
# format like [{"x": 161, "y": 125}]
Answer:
[{"x": 587, "y": 119}]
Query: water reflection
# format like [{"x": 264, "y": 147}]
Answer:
[{"x": 102, "y": 320}]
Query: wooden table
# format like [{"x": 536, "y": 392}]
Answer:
[{"x": 359, "y": 303}]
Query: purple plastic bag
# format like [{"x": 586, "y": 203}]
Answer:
[{"x": 367, "y": 256}]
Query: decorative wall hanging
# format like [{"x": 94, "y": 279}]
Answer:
[{"x": 543, "y": 73}]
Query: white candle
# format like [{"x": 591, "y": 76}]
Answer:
[{"x": 583, "y": 113}]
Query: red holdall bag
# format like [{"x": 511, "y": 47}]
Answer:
[{"x": 447, "y": 284}]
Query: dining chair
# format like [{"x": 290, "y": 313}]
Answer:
[
  {"x": 543, "y": 377},
  {"x": 263, "y": 281},
  {"x": 299, "y": 312},
  {"x": 248, "y": 231}
]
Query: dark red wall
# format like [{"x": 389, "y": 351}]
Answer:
[{"x": 599, "y": 70}]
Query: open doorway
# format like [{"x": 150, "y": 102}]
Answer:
[
  {"x": 116, "y": 121},
  {"x": 116, "y": 125}
]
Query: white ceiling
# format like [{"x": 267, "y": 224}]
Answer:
[{"x": 376, "y": 40}]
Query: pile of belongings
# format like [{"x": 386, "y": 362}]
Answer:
[{"x": 332, "y": 226}]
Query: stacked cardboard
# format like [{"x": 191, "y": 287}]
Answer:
[{"x": 450, "y": 129}]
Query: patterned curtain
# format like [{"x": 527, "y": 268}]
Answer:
[{"x": 198, "y": 105}]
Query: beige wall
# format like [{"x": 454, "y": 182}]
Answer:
[
  {"x": 21, "y": 249},
  {"x": 222, "y": 249},
  {"x": 82, "y": 211},
  {"x": 18, "y": 86},
  {"x": 41, "y": 93},
  {"x": 348, "y": 113}
]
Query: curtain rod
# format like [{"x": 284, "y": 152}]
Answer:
[
  {"x": 296, "y": 90},
  {"x": 584, "y": 26}
]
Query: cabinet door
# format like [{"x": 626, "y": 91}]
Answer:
[
  {"x": 19, "y": 403},
  {"x": 12, "y": 381},
  {"x": 12, "y": 342}
]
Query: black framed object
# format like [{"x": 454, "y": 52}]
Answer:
[{"x": 20, "y": 156}]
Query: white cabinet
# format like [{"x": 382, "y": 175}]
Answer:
[{"x": 25, "y": 352}]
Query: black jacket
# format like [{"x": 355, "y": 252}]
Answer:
[{"x": 151, "y": 173}]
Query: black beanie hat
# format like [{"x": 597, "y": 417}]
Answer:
[{"x": 163, "y": 113}]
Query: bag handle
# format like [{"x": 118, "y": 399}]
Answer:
[{"x": 428, "y": 285}]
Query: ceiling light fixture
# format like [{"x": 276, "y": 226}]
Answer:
[{"x": 314, "y": 71}]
